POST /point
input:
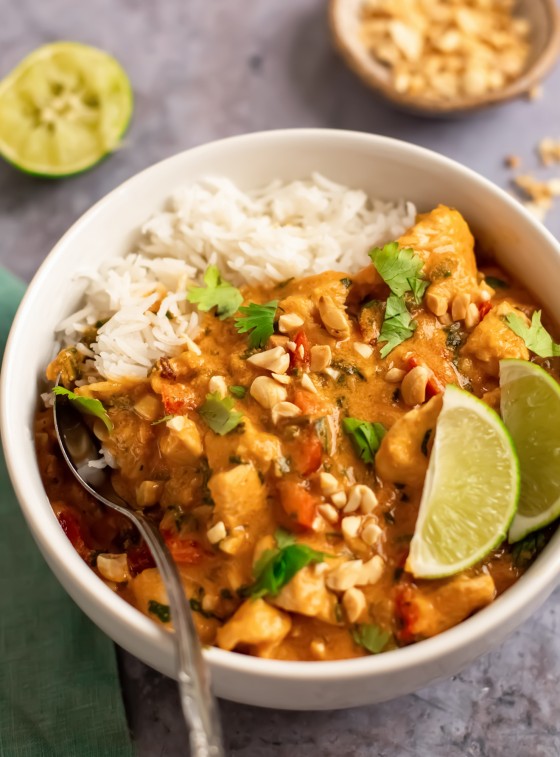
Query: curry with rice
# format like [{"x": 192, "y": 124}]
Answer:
[{"x": 283, "y": 454}]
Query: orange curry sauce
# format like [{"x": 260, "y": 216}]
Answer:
[{"x": 269, "y": 472}]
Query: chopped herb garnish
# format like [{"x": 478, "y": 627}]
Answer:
[
  {"x": 196, "y": 606},
  {"x": 398, "y": 325},
  {"x": 496, "y": 283},
  {"x": 160, "y": 611},
  {"x": 348, "y": 368},
  {"x": 400, "y": 269},
  {"x": 371, "y": 637},
  {"x": 218, "y": 413},
  {"x": 87, "y": 405},
  {"x": 276, "y": 567},
  {"x": 284, "y": 283},
  {"x": 347, "y": 282},
  {"x": 163, "y": 420},
  {"x": 365, "y": 436},
  {"x": 284, "y": 538},
  {"x": 338, "y": 613},
  {"x": 454, "y": 339},
  {"x": 525, "y": 551},
  {"x": 535, "y": 336},
  {"x": 258, "y": 322},
  {"x": 217, "y": 294},
  {"x": 425, "y": 442},
  {"x": 325, "y": 433},
  {"x": 206, "y": 473},
  {"x": 238, "y": 391},
  {"x": 440, "y": 272}
]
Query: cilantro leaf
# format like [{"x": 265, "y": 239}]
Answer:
[
  {"x": 284, "y": 538},
  {"x": 217, "y": 294},
  {"x": 161, "y": 612},
  {"x": 397, "y": 326},
  {"x": 162, "y": 420},
  {"x": 371, "y": 637},
  {"x": 400, "y": 269},
  {"x": 535, "y": 336},
  {"x": 365, "y": 436},
  {"x": 259, "y": 321},
  {"x": 276, "y": 567},
  {"x": 87, "y": 405},
  {"x": 238, "y": 391},
  {"x": 218, "y": 413}
]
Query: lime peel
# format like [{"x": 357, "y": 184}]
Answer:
[
  {"x": 471, "y": 490},
  {"x": 62, "y": 109},
  {"x": 530, "y": 407}
]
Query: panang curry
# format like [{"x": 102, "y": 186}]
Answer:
[{"x": 283, "y": 454}]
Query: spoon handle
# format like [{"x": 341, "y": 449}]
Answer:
[
  {"x": 197, "y": 701},
  {"x": 198, "y": 704}
]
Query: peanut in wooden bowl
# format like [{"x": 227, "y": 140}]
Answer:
[{"x": 544, "y": 40}]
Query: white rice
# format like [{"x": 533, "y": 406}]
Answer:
[{"x": 258, "y": 237}]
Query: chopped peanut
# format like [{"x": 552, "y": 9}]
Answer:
[
  {"x": 321, "y": 357},
  {"x": 217, "y": 532},
  {"x": 354, "y": 603},
  {"x": 267, "y": 392}
]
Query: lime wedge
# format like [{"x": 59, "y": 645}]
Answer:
[
  {"x": 62, "y": 109},
  {"x": 530, "y": 406},
  {"x": 471, "y": 489}
]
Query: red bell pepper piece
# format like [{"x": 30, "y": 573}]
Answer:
[
  {"x": 300, "y": 357},
  {"x": 298, "y": 503}
]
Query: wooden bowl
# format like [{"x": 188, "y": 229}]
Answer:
[{"x": 543, "y": 15}]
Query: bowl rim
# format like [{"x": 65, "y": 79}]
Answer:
[
  {"x": 81, "y": 581},
  {"x": 350, "y": 51}
]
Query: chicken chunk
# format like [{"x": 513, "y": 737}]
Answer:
[
  {"x": 240, "y": 501},
  {"x": 253, "y": 445},
  {"x": 150, "y": 596},
  {"x": 402, "y": 457},
  {"x": 256, "y": 625},
  {"x": 69, "y": 364},
  {"x": 307, "y": 594},
  {"x": 443, "y": 240},
  {"x": 492, "y": 340},
  {"x": 429, "y": 610}
]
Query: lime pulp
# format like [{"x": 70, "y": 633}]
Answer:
[
  {"x": 62, "y": 109},
  {"x": 530, "y": 407},
  {"x": 471, "y": 489}
]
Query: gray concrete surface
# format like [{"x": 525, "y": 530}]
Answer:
[{"x": 204, "y": 69}]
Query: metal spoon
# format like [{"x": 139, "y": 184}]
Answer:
[{"x": 79, "y": 447}]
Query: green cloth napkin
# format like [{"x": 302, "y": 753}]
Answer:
[{"x": 59, "y": 685}]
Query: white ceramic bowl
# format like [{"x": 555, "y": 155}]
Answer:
[{"x": 387, "y": 169}]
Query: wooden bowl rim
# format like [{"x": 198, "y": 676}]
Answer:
[{"x": 533, "y": 75}]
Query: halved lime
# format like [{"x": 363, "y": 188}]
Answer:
[
  {"x": 471, "y": 489},
  {"x": 530, "y": 406},
  {"x": 62, "y": 109}
]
